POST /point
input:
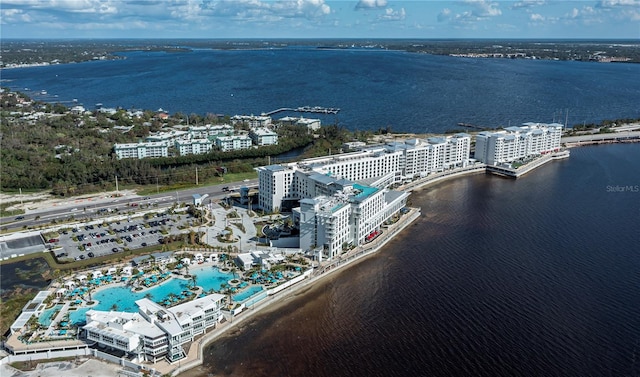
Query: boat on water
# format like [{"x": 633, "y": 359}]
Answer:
[{"x": 43, "y": 92}]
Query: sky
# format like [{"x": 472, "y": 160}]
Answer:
[{"x": 584, "y": 19}]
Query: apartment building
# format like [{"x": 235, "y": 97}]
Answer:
[
  {"x": 193, "y": 146},
  {"x": 141, "y": 150},
  {"x": 253, "y": 121},
  {"x": 515, "y": 143},
  {"x": 351, "y": 216},
  {"x": 232, "y": 143},
  {"x": 209, "y": 131},
  {"x": 263, "y": 136}
]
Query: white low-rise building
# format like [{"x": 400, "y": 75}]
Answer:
[
  {"x": 141, "y": 150},
  {"x": 263, "y": 136},
  {"x": 208, "y": 130},
  {"x": 155, "y": 331},
  {"x": 193, "y": 146},
  {"x": 233, "y": 143}
]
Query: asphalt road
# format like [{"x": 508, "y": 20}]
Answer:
[{"x": 80, "y": 212}]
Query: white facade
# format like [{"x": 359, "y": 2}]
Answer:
[
  {"x": 155, "y": 331},
  {"x": 515, "y": 143},
  {"x": 141, "y": 150},
  {"x": 168, "y": 137},
  {"x": 208, "y": 130},
  {"x": 193, "y": 146},
  {"x": 232, "y": 143},
  {"x": 253, "y": 121},
  {"x": 263, "y": 136},
  {"x": 350, "y": 216}
]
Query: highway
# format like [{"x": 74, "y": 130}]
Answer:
[{"x": 91, "y": 209}]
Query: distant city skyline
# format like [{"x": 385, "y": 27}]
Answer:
[{"x": 588, "y": 19}]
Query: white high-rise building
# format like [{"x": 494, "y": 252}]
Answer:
[{"x": 514, "y": 143}]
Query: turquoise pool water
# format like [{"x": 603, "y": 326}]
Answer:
[
  {"x": 210, "y": 278},
  {"x": 47, "y": 316},
  {"x": 125, "y": 300},
  {"x": 247, "y": 293}
]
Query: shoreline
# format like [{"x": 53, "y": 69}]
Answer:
[
  {"x": 282, "y": 298},
  {"x": 195, "y": 356}
]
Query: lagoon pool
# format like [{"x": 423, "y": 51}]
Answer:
[
  {"x": 47, "y": 316},
  {"x": 210, "y": 278},
  {"x": 124, "y": 300}
]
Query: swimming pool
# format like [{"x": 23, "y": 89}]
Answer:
[
  {"x": 124, "y": 300},
  {"x": 47, "y": 316},
  {"x": 210, "y": 278},
  {"x": 247, "y": 293}
]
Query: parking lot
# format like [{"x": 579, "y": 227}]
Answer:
[{"x": 109, "y": 236}]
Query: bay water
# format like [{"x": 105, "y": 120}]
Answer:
[
  {"x": 408, "y": 92},
  {"x": 538, "y": 276}
]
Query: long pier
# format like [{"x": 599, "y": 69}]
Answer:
[{"x": 305, "y": 109}]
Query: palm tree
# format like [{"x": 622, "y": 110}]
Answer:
[{"x": 193, "y": 281}]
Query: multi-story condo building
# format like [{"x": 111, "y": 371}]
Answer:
[
  {"x": 141, "y": 150},
  {"x": 208, "y": 131},
  {"x": 155, "y": 331},
  {"x": 168, "y": 137},
  {"x": 253, "y": 121},
  {"x": 351, "y": 216},
  {"x": 311, "y": 124},
  {"x": 263, "y": 136},
  {"x": 391, "y": 163},
  {"x": 515, "y": 143},
  {"x": 232, "y": 143},
  {"x": 193, "y": 146}
]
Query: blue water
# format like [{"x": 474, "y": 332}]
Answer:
[
  {"x": 407, "y": 91},
  {"x": 210, "y": 278},
  {"x": 537, "y": 276},
  {"x": 123, "y": 299},
  {"x": 250, "y": 291},
  {"x": 47, "y": 316}
]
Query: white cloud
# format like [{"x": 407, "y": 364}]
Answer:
[
  {"x": 480, "y": 10},
  {"x": 483, "y": 8},
  {"x": 535, "y": 17},
  {"x": 527, "y": 4},
  {"x": 444, "y": 15},
  {"x": 393, "y": 15},
  {"x": 618, "y": 3},
  {"x": 371, "y": 4}
]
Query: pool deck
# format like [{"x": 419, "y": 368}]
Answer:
[{"x": 194, "y": 356}]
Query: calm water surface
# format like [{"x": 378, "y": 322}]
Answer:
[
  {"x": 530, "y": 277},
  {"x": 407, "y": 91}
]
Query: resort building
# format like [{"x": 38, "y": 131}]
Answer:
[
  {"x": 387, "y": 164},
  {"x": 263, "y": 136},
  {"x": 233, "y": 143},
  {"x": 351, "y": 216},
  {"x": 155, "y": 331},
  {"x": 141, "y": 150},
  {"x": 516, "y": 143}
]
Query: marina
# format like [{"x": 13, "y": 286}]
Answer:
[{"x": 305, "y": 109}]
